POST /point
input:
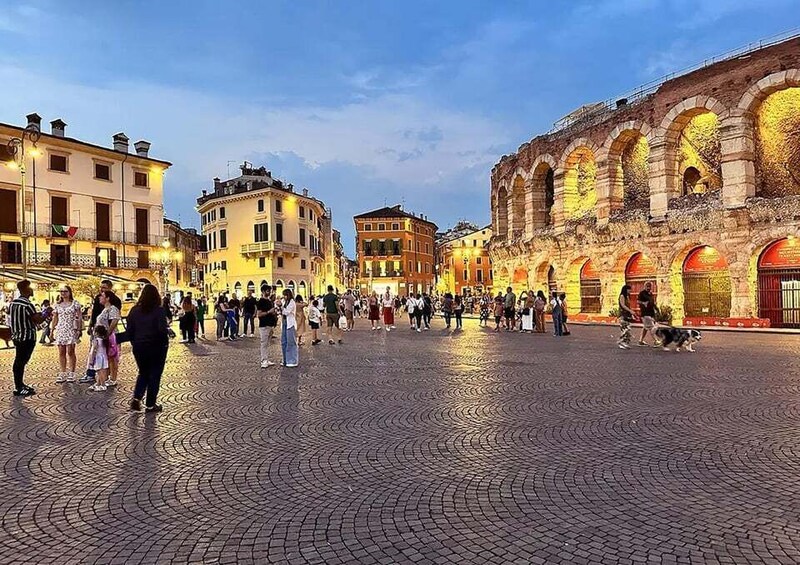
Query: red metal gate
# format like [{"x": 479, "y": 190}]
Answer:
[{"x": 779, "y": 297}]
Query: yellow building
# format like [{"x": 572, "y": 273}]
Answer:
[
  {"x": 259, "y": 231},
  {"x": 185, "y": 273},
  {"x": 462, "y": 260},
  {"x": 88, "y": 210}
]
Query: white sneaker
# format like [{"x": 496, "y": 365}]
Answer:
[
  {"x": 265, "y": 364},
  {"x": 97, "y": 388},
  {"x": 290, "y": 365},
  {"x": 251, "y": 335},
  {"x": 184, "y": 341},
  {"x": 387, "y": 328},
  {"x": 419, "y": 330},
  {"x": 111, "y": 382},
  {"x": 60, "y": 378},
  {"x": 71, "y": 377}
]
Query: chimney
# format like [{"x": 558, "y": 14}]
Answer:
[
  {"x": 35, "y": 120},
  {"x": 305, "y": 192},
  {"x": 622, "y": 102},
  {"x": 142, "y": 147},
  {"x": 120, "y": 142},
  {"x": 57, "y": 127},
  {"x": 217, "y": 183},
  {"x": 204, "y": 191},
  {"x": 290, "y": 187}
]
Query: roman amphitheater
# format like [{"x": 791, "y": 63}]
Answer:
[{"x": 692, "y": 183}]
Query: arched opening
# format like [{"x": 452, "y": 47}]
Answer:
[
  {"x": 706, "y": 284},
  {"x": 237, "y": 290},
  {"x": 699, "y": 148},
  {"x": 691, "y": 181},
  {"x": 502, "y": 212},
  {"x": 520, "y": 279},
  {"x": 580, "y": 195},
  {"x": 635, "y": 172},
  {"x": 264, "y": 284},
  {"x": 291, "y": 286},
  {"x": 301, "y": 289},
  {"x": 779, "y": 283},
  {"x": 251, "y": 286},
  {"x": 278, "y": 285},
  {"x": 591, "y": 297},
  {"x": 544, "y": 193},
  {"x": 518, "y": 206},
  {"x": 639, "y": 271},
  {"x": 777, "y": 135},
  {"x": 552, "y": 284}
]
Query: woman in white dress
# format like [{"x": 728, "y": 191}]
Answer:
[
  {"x": 67, "y": 324},
  {"x": 109, "y": 318},
  {"x": 528, "y": 314}
]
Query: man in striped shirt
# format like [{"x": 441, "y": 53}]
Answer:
[{"x": 23, "y": 319}]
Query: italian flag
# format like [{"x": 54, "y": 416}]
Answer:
[{"x": 66, "y": 231}]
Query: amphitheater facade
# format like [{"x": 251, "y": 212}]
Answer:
[{"x": 694, "y": 186}]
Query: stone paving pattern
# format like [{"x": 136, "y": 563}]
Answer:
[{"x": 406, "y": 448}]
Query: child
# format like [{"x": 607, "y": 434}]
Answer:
[
  {"x": 499, "y": 309},
  {"x": 314, "y": 319},
  {"x": 484, "y": 320},
  {"x": 98, "y": 358}
]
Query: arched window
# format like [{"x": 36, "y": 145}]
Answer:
[
  {"x": 251, "y": 286},
  {"x": 580, "y": 195},
  {"x": 291, "y": 286},
  {"x": 279, "y": 283},
  {"x": 777, "y": 128},
  {"x": 591, "y": 300},
  {"x": 779, "y": 283},
  {"x": 639, "y": 271}
]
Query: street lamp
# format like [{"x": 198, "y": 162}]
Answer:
[
  {"x": 166, "y": 259},
  {"x": 16, "y": 148}
]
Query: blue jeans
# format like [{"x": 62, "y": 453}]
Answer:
[
  {"x": 289, "y": 344},
  {"x": 232, "y": 326},
  {"x": 248, "y": 318},
  {"x": 447, "y": 317},
  {"x": 557, "y": 320}
]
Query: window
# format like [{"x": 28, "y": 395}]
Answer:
[
  {"x": 223, "y": 265},
  {"x": 466, "y": 275},
  {"x": 280, "y": 262},
  {"x": 260, "y": 205},
  {"x": 478, "y": 260},
  {"x": 491, "y": 276},
  {"x": 302, "y": 237},
  {"x": 214, "y": 240},
  {"x": 302, "y": 212},
  {"x": 367, "y": 247},
  {"x": 427, "y": 248},
  {"x": 140, "y": 179},
  {"x": 105, "y": 257},
  {"x": 222, "y": 212},
  {"x": 102, "y": 171},
  {"x": 260, "y": 232},
  {"x": 302, "y": 264},
  {"x": 395, "y": 227},
  {"x": 367, "y": 227},
  {"x": 278, "y": 206},
  {"x": 262, "y": 262},
  {"x": 58, "y": 163},
  {"x": 143, "y": 259},
  {"x": 223, "y": 238},
  {"x": 142, "y": 226},
  {"x": 278, "y": 232},
  {"x": 479, "y": 275},
  {"x": 102, "y": 222},
  {"x": 58, "y": 212},
  {"x": 381, "y": 227},
  {"x": 311, "y": 214},
  {"x": 11, "y": 252},
  {"x": 474, "y": 243},
  {"x": 410, "y": 267},
  {"x": 396, "y": 247}
]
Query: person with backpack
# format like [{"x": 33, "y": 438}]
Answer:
[{"x": 447, "y": 309}]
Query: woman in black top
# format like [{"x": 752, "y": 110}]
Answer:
[{"x": 147, "y": 332}]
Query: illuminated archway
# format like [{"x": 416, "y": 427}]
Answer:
[
  {"x": 706, "y": 284},
  {"x": 580, "y": 180},
  {"x": 779, "y": 283},
  {"x": 520, "y": 279},
  {"x": 501, "y": 206},
  {"x": 639, "y": 271},
  {"x": 543, "y": 181},
  {"x": 251, "y": 286},
  {"x": 552, "y": 283},
  {"x": 590, "y": 289},
  {"x": 237, "y": 289},
  {"x": 699, "y": 148},
  {"x": 518, "y": 206},
  {"x": 628, "y": 156},
  {"x": 777, "y": 137}
]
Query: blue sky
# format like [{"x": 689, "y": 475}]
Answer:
[{"x": 366, "y": 103}]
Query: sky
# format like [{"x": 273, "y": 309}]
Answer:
[{"x": 365, "y": 102}]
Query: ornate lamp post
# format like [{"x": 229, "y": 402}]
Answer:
[
  {"x": 166, "y": 259},
  {"x": 18, "y": 152}
]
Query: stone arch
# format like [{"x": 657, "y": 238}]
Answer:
[
  {"x": 777, "y": 266},
  {"x": 680, "y": 253},
  {"x": 542, "y": 194},
  {"x": 572, "y": 281},
  {"x": 576, "y": 180},
  {"x": 501, "y": 208},
  {"x": 517, "y": 212},
  {"x": 770, "y": 84},
  {"x": 626, "y": 153},
  {"x": 519, "y": 281}
]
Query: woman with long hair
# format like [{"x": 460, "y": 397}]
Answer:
[
  {"x": 289, "y": 326},
  {"x": 148, "y": 333},
  {"x": 388, "y": 305},
  {"x": 626, "y": 316},
  {"x": 539, "y": 307},
  {"x": 109, "y": 318},
  {"x": 528, "y": 315},
  {"x": 68, "y": 325},
  {"x": 300, "y": 318},
  {"x": 374, "y": 310},
  {"x": 221, "y": 317},
  {"x": 188, "y": 320}
]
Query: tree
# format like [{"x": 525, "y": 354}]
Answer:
[{"x": 85, "y": 287}]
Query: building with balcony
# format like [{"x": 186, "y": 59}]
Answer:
[
  {"x": 463, "y": 264},
  {"x": 186, "y": 273},
  {"x": 692, "y": 183},
  {"x": 395, "y": 250},
  {"x": 259, "y": 231},
  {"x": 88, "y": 210}
]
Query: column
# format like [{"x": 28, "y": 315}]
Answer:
[
  {"x": 662, "y": 177},
  {"x": 738, "y": 153}
]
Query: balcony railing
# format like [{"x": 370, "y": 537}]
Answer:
[
  {"x": 90, "y": 234},
  {"x": 77, "y": 261},
  {"x": 269, "y": 247}
]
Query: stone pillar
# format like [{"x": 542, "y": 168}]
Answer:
[
  {"x": 604, "y": 191},
  {"x": 662, "y": 177},
  {"x": 738, "y": 153},
  {"x": 742, "y": 305},
  {"x": 529, "y": 218},
  {"x": 559, "y": 195},
  {"x": 538, "y": 218}
]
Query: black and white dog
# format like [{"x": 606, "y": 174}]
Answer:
[{"x": 681, "y": 338}]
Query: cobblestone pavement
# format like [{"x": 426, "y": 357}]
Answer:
[{"x": 401, "y": 448}]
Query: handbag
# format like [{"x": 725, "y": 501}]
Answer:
[{"x": 526, "y": 311}]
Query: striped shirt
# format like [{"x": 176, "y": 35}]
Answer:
[{"x": 20, "y": 313}]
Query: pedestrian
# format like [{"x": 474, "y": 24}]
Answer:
[
  {"x": 484, "y": 310},
  {"x": 447, "y": 309},
  {"x": 557, "y": 313},
  {"x": 289, "y": 327},
  {"x": 108, "y": 318},
  {"x": 349, "y": 304},
  {"x": 97, "y": 307},
  {"x": 509, "y": 302},
  {"x": 427, "y": 310},
  {"x": 300, "y": 316},
  {"x": 149, "y": 338},
  {"x": 539, "y": 306},
  {"x": 626, "y": 316},
  {"x": 564, "y": 314},
  {"x": 98, "y": 358},
  {"x": 314, "y": 320},
  {"x": 23, "y": 319},
  {"x": 267, "y": 319},
  {"x": 68, "y": 324},
  {"x": 333, "y": 310},
  {"x": 374, "y": 311},
  {"x": 647, "y": 310},
  {"x": 528, "y": 312},
  {"x": 499, "y": 310},
  {"x": 202, "y": 310},
  {"x": 47, "y": 317},
  {"x": 167, "y": 309},
  {"x": 388, "y": 305},
  {"x": 458, "y": 310},
  {"x": 249, "y": 314},
  {"x": 233, "y": 314},
  {"x": 221, "y": 317},
  {"x": 411, "y": 307},
  {"x": 188, "y": 321}
]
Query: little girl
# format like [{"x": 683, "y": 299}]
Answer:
[
  {"x": 98, "y": 358},
  {"x": 314, "y": 319}
]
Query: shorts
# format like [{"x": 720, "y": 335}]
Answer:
[
  {"x": 332, "y": 319},
  {"x": 648, "y": 322},
  {"x": 314, "y": 325},
  {"x": 348, "y": 314},
  {"x": 497, "y": 319},
  {"x": 509, "y": 313}
]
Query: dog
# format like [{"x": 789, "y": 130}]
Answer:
[
  {"x": 681, "y": 338},
  {"x": 5, "y": 335}
]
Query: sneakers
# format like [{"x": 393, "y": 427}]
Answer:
[
  {"x": 623, "y": 345},
  {"x": 419, "y": 330},
  {"x": 184, "y": 341},
  {"x": 85, "y": 379},
  {"x": 330, "y": 342},
  {"x": 265, "y": 364},
  {"x": 25, "y": 391},
  {"x": 96, "y": 387},
  {"x": 340, "y": 342},
  {"x": 290, "y": 365},
  {"x": 316, "y": 342},
  {"x": 135, "y": 404},
  {"x": 71, "y": 377},
  {"x": 111, "y": 382},
  {"x": 154, "y": 408},
  {"x": 61, "y": 378},
  {"x": 642, "y": 344},
  {"x": 251, "y": 335}
]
